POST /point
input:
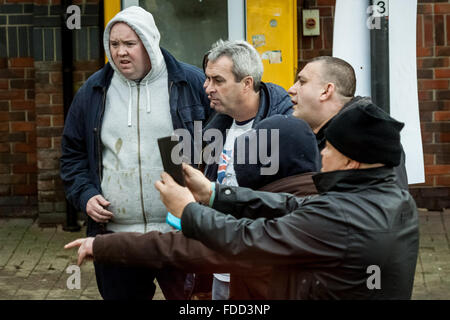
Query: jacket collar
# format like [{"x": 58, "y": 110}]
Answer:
[
  {"x": 104, "y": 77},
  {"x": 174, "y": 70},
  {"x": 353, "y": 180}
]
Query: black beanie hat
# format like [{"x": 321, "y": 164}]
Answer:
[
  {"x": 367, "y": 134},
  {"x": 297, "y": 148}
]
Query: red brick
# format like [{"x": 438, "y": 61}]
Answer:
[
  {"x": 448, "y": 28},
  {"x": 42, "y": 98},
  {"x": 443, "y": 95},
  {"x": 424, "y": 52},
  {"x": 442, "y": 51},
  {"x": 427, "y": 137},
  {"x": 428, "y": 159},
  {"x": 57, "y": 99},
  {"x": 443, "y": 137},
  {"x": 47, "y": 88},
  {"x": 326, "y": 2},
  {"x": 424, "y": 8},
  {"x": 425, "y": 95},
  {"x": 12, "y": 95},
  {"x": 57, "y": 109},
  {"x": 442, "y": 116},
  {"x": 4, "y": 126},
  {"x": 29, "y": 74},
  {"x": 21, "y": 62},
  {"x": 45, "y": 185},
  {"x": 428, "y": 31},
  {"x": 4, "y": 116},
  {"x": 437, "y": 169},
  {"x": 442, "y": 73},
  {"x": 24, "y": 168},
  {"x": 443, "y": 180},
  {"x": 5, "y": 147},
  {"x": 43, "y": 121},
  {"x": 432, "y": 84},
  {"x": 22, "y": 126},
  {"x": 58, "y": 120},
  {"x": 21, "y": 84},
  {"x": 31, "y": 158},
  {"x": 24, "y": 189},
  {"x": 24, "y": 147},
  {"x": 4, "y": 84},
  {"x": 22, "y": 105},
  {"x": 56, "y": 77},
  {"x": 441, "y": 8},
  {"x": 439, "y": 31},
  {"x": 13, "y": 178},
  {"x": 44, "y": 142}
]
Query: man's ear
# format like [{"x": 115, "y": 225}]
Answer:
[
  {"x": 248, "y": 82},
  {"x": 328, "y": 91},
  {"x": 352, "y": 164}
]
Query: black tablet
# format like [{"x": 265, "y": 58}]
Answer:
[{"x": 175, "y": 170}]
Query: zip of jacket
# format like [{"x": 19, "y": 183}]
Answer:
[{"x": 139, "y": 158}]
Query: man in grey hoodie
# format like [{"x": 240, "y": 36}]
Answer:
[{"x": 110, "y": 158}]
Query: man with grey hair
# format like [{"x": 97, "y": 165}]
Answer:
[
  {"x": 241, "y": 100},
  {"x": 325, "y": 87}
]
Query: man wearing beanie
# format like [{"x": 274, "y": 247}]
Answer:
[{"x": 357, "y": 239}]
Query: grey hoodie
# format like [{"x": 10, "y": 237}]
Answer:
[{"x": 136, "y": 114}]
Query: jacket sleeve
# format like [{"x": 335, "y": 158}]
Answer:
[
  {"x": 74, "y": 162},
  {"x": 316, "y": 232},
  {"x": 246, "y": 203},
  {"x": 159, "y": 250}
]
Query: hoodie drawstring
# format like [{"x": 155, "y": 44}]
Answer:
[
  {"x": 129, "y": 104},
  {"x": 148, "y": 97}
]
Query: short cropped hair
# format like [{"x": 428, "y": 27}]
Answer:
[
  {"x": 339, "y": 72},
  {"x": 246, "y": 60}
]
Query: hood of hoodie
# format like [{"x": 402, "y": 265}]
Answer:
[{"x": 143, "y": 24}]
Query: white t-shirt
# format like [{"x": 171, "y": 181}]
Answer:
[{"x": 225, "y": 173}]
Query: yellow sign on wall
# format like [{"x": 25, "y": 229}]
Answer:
[{"x": 272, "y": 30}]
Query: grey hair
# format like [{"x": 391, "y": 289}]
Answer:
[{"x": 246, "y": 60}]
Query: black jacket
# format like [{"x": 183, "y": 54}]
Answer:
[{"x": 322, "y": 246}]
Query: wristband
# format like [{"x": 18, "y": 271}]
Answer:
[
  {"x": 213, "y": 194},
  {"x": 173, "y": 221}
]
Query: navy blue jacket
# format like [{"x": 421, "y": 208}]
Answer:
[
  {"x": 81, "y": 160},
  {"x": 273, "y": 100}
]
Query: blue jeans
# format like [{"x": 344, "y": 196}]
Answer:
[{"x": 220, "y": 290}]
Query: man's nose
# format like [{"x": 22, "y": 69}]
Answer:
[
  {"x": 293, "y": 90},
  {"x": 122, "y": 50},
  {"x": 207, "y": 86}
]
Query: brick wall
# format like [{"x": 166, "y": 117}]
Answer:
[
  {"x": 433, "y": 72},
  {"x": 17, "y": 138},
  {"x": 31, "y": 102},
  {"x": 433, "y": 63}
]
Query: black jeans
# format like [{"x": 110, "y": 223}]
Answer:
[{"x": 132, "y": 283}]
